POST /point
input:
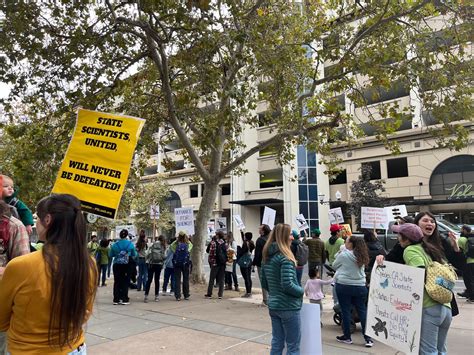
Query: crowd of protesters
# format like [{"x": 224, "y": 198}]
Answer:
[{"x": 70, "y": 268}]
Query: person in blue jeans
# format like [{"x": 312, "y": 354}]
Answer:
[
  {"x": 278, "y": 277},
  {"x": 351, "y": 286},
  {"x": 169, "y": 272},
  {"x": 142, "y": 247}
]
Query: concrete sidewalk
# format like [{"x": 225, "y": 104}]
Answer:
[{"x": 231, "y": 325}]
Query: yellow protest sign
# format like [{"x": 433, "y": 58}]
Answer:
[{"x": 97, "y": 162}]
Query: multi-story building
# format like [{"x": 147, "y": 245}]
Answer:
[{"x": 422, "y": 176}]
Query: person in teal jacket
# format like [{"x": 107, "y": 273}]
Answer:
[{"x": 278, "y": 277}]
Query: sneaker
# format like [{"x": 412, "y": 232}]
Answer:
[
  {"x": 470, "y": 300},
  {"x": 178, "y": 299},
  {"x": 369, "y": 343},
  {"x": 103, "y": 285},
  {"x": 116, "y": 303},
  {"x": 186, "y": 298},
  {"x": 247, "y": 295},
  {"x": 207, "y": 296},
  {"x": 343, "y": 339},
  {"x": 125, "y": 303},
  {"x": 145, "y": 300},
  {"x": 237, "y": 288},
  {"x": 462, "y": 294},
  {"x": 156, "y": 299},
  {"x": 220, "y": 297}
]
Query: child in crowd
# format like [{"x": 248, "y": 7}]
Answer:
[
  {"x": 9, "y": 195},
  {"x": 313, "y": 289}
]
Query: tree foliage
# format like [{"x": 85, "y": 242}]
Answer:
[
  {"x": 365, "y": 193},
  {"x": 202, "y": 67}
]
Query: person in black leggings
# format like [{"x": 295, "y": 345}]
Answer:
[{"x": 247, "y": 247}]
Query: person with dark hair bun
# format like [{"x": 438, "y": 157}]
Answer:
[
  {"x": 351, "y": 286},
  {"x": 57, "y": 287}
]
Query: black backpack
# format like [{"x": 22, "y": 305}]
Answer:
[
  {"x": 221, "y": 253},
  {"x": 470, "y": 246}
]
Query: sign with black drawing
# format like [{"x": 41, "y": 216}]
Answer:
[{"x": 395, "y": 306}]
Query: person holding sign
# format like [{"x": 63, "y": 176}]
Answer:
[
  {"x": 351, "y": 287},
  {"x": 46, "y": 297},
  {"x": 278, "y": 277}
]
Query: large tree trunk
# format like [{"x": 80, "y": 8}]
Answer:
[{"x": 200, "y": 236}]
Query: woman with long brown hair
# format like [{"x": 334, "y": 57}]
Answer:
[
  {"x": 351, "y": 286},
  {"x": 436, "y": 318},
  {"x": 278, "y": 277},
  {"x": 55, "y": 286},
  {"x": 141, "y": 248}
]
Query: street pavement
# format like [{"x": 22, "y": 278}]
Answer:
[{"x": 232, "y": 325}]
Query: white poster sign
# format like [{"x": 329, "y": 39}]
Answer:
[
  {"x": 301, "y": 222},
  {"x": 310, "y": 330},
  {"x": 184, "y": 219},
  {"x": 394, "y": 211},
  {"x": 373, "y": 218},
  {"x": 154, "y": 212},
  {"x": 221, "y": 224},
  {"x": 336, "y": 216},
  {"x": 130, "y": 229},
  {"x": 269, "y": 216},
  {"x": 395, "y": 306},
  {"x": 211, "y": 228},
  {"x": 239, "y": 222}
]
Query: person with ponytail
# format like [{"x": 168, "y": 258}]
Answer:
[
  {"x": 278, "y": 277},
  {"x": 436, "y": 317},
  {"x": 351, "y": 286},
  {"x": 55, "y": 286}
]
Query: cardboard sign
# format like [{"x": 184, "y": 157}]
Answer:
[
  {"x": 184, "y": 220},
  {"x": 211, "y": 228},
  {"x": 239, "y": 222},
  {"x": 336, "y": 216},
  {"x": 221, "y": 224},
  {"x": 373, "y": 218},
  {"x": 394, "y": 211},
  {"x": 97, "y": 162},
  {"x": 395, "y": 306},
  {"x": 311, "y": 330},
  {"x": 154, "y": 212},
  {"x": 130, "y": 229},
  {"x": 301, "y": 222},
  {"x": 269, "y": 216}
]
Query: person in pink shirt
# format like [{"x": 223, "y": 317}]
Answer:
[{"x": 313, "y": 289}]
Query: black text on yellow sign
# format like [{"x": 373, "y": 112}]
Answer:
[{"x": 97, "y": 162}]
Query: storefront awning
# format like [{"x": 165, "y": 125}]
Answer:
[{"x": 258, "y": 202}]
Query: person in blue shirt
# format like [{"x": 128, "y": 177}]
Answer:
[{"x": 122, "y": 251}]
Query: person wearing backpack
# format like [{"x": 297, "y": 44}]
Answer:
[
  {"x": 122, "y": 251},
  {"x": 217, "y": 260},
  {"x": 181, "y": 263},
  {"x": 466, "y": 244},
  {"x": 155, "y": 258},
  {"x": 300, "y": 251},
  {"x": 317, "y": 252},
  {"x": 436, "y": 317}
]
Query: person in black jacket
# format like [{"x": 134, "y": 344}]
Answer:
[
  {"x": 375, "y": 248},
  {"x": 264, "y": 230},
  {"x": 247, "y": 248}
]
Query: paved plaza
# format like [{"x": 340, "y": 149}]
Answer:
[{"x": 232, "y": 325}]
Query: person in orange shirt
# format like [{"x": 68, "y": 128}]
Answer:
[{"x": 47, "y": 296}]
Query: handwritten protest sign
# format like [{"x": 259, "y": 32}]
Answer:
[
  {"x": 221, "y": 224},
  {"x": 211, "y": 228},
  {"x": 269, "y": 216},
  {"x": 184, "y": 220},
  {"x": 396, "y": 211},
  {"x": 336, "y": 216},
  {"x": 373, "y": 217},
  {"x": 301, "y": 222},
  {"x": 395, "y": 306},
  {"x": 154, "y": 212},
  {"x": 239, "y": 222},
  {"x": 97, "y": 162},
  {"x": 130, "y": 228}
]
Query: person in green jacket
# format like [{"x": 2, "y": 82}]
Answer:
[
  {"x": 102, "y": 258},
  {"x": 10, "y": 196},
  {"x": 334, "y": 243},
  {"x": 278, "y": 277},
  {"x": 468, "y": 272}
]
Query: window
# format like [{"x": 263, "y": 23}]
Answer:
[
  {"x": 271, "y": 179},
  {"x": 340, "y": 178},
  {"x": 193, "y": 191},
  {"x": 226, "y": 190},
  {"x": 397, "y": 168},
  {"x": 374, "y": 170}
]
